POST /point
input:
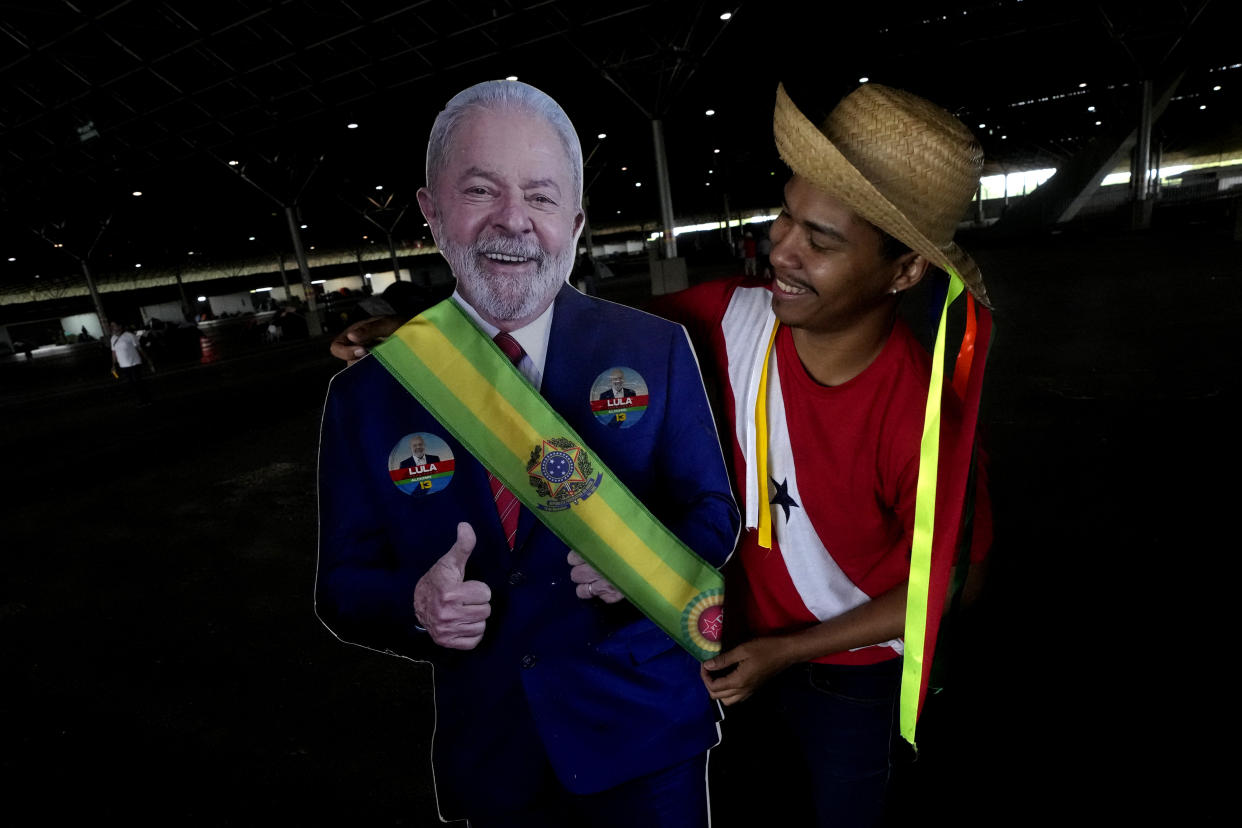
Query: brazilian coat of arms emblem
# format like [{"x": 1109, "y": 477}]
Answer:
[{"x": 560, "y": 473}]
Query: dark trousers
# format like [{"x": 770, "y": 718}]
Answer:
[
  {"x": 675, "y": 797},
  {"x": 133, "y": 378},
  {"x": 813, "y": 747}
]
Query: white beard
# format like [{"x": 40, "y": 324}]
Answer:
[{"x": 505, "y": 298}]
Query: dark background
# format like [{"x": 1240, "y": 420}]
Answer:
[{"x": 161, "y": 658}]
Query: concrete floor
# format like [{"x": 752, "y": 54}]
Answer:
[{"x": 162, "y": 662}]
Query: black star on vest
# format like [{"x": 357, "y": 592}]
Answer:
[{"x": 781, "y": 497}]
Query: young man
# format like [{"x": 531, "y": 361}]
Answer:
[
  {"x": 876, "y": 194},
  {"x": 558, "y": 703}
]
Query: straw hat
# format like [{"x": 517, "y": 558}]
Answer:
[{"x": 899, "y": 161}]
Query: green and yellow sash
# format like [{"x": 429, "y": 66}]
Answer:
[{"x": 459, "y": 375}]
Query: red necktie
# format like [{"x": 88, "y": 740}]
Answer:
[{"x": 507, "y": 505}]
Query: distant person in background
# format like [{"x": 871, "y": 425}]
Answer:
[
  {"x": 749, "y": 250},
  {"x": 128, "y": 358},
  {"x": 765, "y": 253},
  {"x": 84, "y": 335}
]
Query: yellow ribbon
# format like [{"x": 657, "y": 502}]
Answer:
[
  {"x": 761, "y": 447},
  {"x": 924, "y": 525}
]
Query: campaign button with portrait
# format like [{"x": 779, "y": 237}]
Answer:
[
  {"x": 619, "y": 397},
  {"x": 420, "y": 464}
]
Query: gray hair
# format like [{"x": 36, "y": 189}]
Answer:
[{"x": 509, "y": 96}]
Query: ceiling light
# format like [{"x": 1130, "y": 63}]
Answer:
[
  {"x": 1203, "y": 106},
  {"x": 623, "y": 169},
  {"x": 202, "y": 298},
  {"x": 711, "y": 112},
  {"x": 137, "y": 264},
  {"x": 602, "y": 136},
  {"x": 511, "y": 78},
  {"x": 1091, "y": 109},
  {"x": 136, "y": 193},
  {"x": 303, "y": 226},
  {"x": 726, "y": 15},
  {"x": 234, "y": 163},
  {"x": 638, "y": 183},
  {"x": 379, "y": 186},
  {"x": 351, "y": 126},
  {"x": 1097, "y": 123},
  {"x": 1082, "y": 86},
  {"x": 864, "y": 79},
  {"x": 1215, "y": 88},
  {"x": 715, "y": 150},
  {"x": 252, "y": 238},
  {"x": 983, "y": 126},
  {"x": 12, "y": 258}
]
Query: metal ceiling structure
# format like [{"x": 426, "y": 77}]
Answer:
[{"x": 223, "y": 113}]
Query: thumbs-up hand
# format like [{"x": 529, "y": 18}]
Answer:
[{"x": 454, "y": 611}]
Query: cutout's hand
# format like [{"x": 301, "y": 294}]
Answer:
[
  {"x": 454, "y": 611},
  {"x": 590, "y": 584}
]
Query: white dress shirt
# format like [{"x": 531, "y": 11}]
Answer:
[{"x": 533, "y": 338}]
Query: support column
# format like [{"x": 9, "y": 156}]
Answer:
[
  {"x": 1140, "y": 170},
  {"x": 666, "y": 197},
  {"x": 313, "y": 322},
  {"x": 284, "y": 278},
  {"x": 185, "y": 300},
  {"x": 396, "y": 265},
  {"x": 99, "y": 309}
]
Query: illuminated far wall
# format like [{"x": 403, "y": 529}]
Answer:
[
  {"x": 353, "y": 283},
  {"x": 381, "y": 281},
  {"x": 163, "y": 311},
  {"x": 73, "y": 324},
  {"x": 280, "y": 294},
  {"x": 230, "y": 303}
]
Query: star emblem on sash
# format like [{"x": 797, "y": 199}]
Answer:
[{"x": 781, "y": 497}]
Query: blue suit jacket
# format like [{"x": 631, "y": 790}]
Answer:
[{"x": 600, "y": 690}]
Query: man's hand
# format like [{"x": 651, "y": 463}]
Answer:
[
  {"x": 454, "y": 611},
  {"x": 753, "y": 663},
  {"x": 353, "y": 343},
  {"x": 590, "y": 584}
]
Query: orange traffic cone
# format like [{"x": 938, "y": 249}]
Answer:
[{"x": 207, "y": 349}]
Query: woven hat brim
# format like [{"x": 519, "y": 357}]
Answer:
[{"x": 812, "y": 156}]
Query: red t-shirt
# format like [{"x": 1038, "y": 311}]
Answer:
[{"x": 842, "y": 466}]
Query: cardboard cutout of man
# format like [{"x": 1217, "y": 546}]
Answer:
[{"x": 553, "y": 708}]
